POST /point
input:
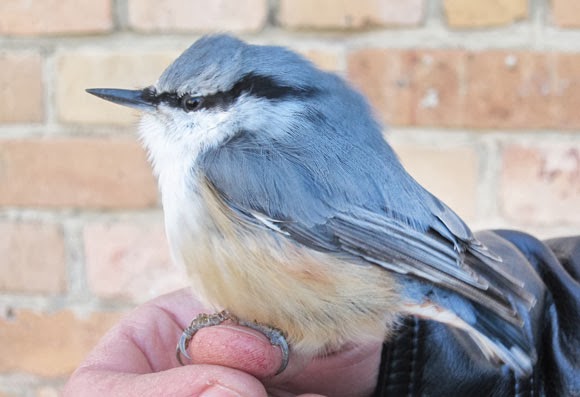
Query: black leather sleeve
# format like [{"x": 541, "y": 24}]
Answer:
[{"x": 427, "y": 359}]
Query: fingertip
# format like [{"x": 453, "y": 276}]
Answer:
[{"x": 236, "y": 347}]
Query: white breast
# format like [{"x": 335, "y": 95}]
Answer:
[{"x": 173, "y": 163}]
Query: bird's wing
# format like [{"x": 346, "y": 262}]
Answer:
[
  {"x": 440, "y": 258},
  {"x": 437, "y": 250}
]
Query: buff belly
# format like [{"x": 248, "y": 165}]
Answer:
[{"x": 320, "y": 301}]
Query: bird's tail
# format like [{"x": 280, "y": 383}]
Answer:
[{"x": 499, "y": 341}]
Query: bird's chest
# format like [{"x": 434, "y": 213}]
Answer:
[
  {"x": 317, "y": 299},
  {"x": 188, "y": 226},
  {"x": 225, "y": 261}
]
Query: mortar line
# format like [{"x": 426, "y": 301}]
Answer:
[
  {"x": 49, "y": 84},
  {"x": 526, "y": 35}
]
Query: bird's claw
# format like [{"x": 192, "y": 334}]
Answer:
[
  {"x": 276, "y": 338},
  {"x": 203, "y": 320},
  {"x": 274, "y": 335}
]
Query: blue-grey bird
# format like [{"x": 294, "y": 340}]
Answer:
[{"x": 288, "y": 208}]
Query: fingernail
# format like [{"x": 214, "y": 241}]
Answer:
[{"x": 220, "y": 391}]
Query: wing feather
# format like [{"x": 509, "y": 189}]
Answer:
[{"x": 375, "y": 214}]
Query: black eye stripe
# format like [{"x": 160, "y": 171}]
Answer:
[
  {"x": 266, "y": 87},
  {"x": 251, "y": 84}
]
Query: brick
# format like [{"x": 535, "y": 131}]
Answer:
[
  {"x": 508, "y": 90},
  {"x": 49, "y": 345},
  {"x": 21, "y": 92},
  {"x": 323, "y": 58},
  {"x": 177, "y": 15},
  {"x": 48, "y": 17},
  {"x": 565, "y": 91},
  {"x": 87, "y": 173},
  {"x": 566, "y": 13},
  {"x": 130, "y": 261},
  {"x": 420, "y": 87},
  {"x": 435, "y": 92},
  {"x": 77, "y": 71},
  {"x": 484, "y": 13},
  {"x": 33, "y": 258},
  {"x": 541, "y": 184},
  {"x": 482, "y": 89},
  {"x": 523, "y": 90},
  {"x": 380, "y": 75},
  {"x": 349, "y": 14},
  {"x": 451, "y": 174}
]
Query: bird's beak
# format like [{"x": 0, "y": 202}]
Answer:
[{"x": 137, "y": 99}]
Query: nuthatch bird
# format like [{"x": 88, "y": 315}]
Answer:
[{"x": 290, "y": 211}]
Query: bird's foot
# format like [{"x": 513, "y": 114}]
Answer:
[
  {"x": 203, "y": 320},
  {"x": 276, "y": 338}
]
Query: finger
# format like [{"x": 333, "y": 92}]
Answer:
[
  {"x": 144, "y": 340},
  {"x": 351, "y": 371},
  {"x": 188, "y": 381},
  {"x": 241, "y": 348},
  {"x": 182, "y": 304}
]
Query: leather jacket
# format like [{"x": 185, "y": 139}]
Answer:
[{"x": 426, "y": 359}]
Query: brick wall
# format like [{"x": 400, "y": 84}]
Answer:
[{"x": 482, "y": 97}]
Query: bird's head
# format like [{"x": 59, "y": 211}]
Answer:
[{"x": 219, "y": 88}]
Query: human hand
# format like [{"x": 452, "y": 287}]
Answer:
[{"x": 137, "y": 358}]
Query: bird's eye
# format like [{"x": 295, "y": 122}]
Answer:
[{"x": 190, "y": 103}]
